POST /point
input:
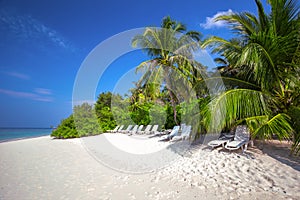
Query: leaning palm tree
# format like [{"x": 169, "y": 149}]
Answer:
[
  {"x": 265, "y": 54},
  {"x": 170, "y": 49}
]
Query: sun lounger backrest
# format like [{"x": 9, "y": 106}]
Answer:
[
  {"x": 174, "y": 131},
  {"x": 135, "y": 128},
  {"x": 148, "y": 128},
  {"x": 121, "y": 127},
  {"x": 116, "y": 128},
  {"x": 242, "y": 133},
  {"x": 182, "y": 126},
  {"x": 140, "y": 127},
  {"x": 176, "y": 127},
  {"x": 186, "y": 131},
  {"x": 129, "y": 127},
  {"x": 154, "y": 128}
]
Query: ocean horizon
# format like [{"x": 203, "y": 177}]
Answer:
[{"x": 10, "y": 134}]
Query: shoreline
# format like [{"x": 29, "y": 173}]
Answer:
[
  {"x": 23, "y": 138},
  {"x": 8, "y": 134}
]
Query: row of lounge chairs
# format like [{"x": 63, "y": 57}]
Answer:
[
  {"x": 231, "y": 141},
  {"x": 182, "y": 132},
  {"x": 177, "y": 133},
  {"x": 137, "y": 129}
]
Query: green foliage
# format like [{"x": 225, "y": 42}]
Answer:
[
  {"x": 265, "y": 128},
  {"x": 104, "y": 113},
  {"x": 264, "y": 53},
  {"x": 170, "y": 122},
  {"x": 66, "y": 129},
  {"x": 121, "y": 110},
  {"x": 140, "y": 113},
  {"x": 86, "y": 120},
  {"x": 170, "y": 49},
  {"x": 83, "y": 122},
  {"x": 158, "y": 114},
  {"x": 294, "y": 112},
  {"x": 189, "y": 112},
  {"x": 231, "y": 106}
]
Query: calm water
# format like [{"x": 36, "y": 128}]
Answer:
[{"x": 7, "y": 134}]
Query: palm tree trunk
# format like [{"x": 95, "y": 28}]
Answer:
[
  {"x": 169, "y": 86},
  {"x": 173, "y": 106}
]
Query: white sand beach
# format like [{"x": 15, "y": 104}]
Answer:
[{"x": 46, "y": 168}]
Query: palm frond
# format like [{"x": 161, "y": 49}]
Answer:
[
  {"x": 219, "y": 84},
  {"x": 265, "y": 128},
  {"x": 240, "y": 22},
  {"x": 233, "y": 105},
  {"x": 196, "y": 35},
  {"x": 294, "y": 113},
  {"x": 263, "y": 18},
  {"x": 230, "y": 49},
  {"x": 259, "y": 62}
]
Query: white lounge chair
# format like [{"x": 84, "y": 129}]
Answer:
[
  {"x": 174, "y": 132},
  {"x": 185, "y": 133},
  {"x": 133, "y": 130},
  {"x": 222, "y": 140},
  {"x": 154, "y": 132},
  {"x": 127, "y": 129},
  {"x": 154, "y": 129},
  {"x": 241, "y": 139},
  {"x": 119, "y": 129},
  {"x": 115, "y": 129},
  {"x": 140, "y": 128},
  {"x": 146, "y": 131}
]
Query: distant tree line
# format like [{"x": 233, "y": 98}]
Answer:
[{"x": 105, "y": 114}]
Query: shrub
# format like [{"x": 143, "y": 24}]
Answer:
[
  {"x": 66, "y": 129},
  {"x": 86, "y": 120}
]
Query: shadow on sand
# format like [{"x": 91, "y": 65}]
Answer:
[
  {"x": 275, "y": 149},
  {"x": 279, "y": 151}
]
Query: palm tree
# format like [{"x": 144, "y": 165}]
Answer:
[
  {"x": 170, "y": 50},
  {"x": 265, "y": 53}
]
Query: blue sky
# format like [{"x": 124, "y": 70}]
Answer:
[{"x": 43, "y": 44}]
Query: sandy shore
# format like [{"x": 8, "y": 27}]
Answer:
[{"x": 43, "y": 168}]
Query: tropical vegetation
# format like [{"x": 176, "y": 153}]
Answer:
[
  {"x": 170, "y": 49},
  {"x": 66, "y": 129},
  {"x": 259, "y": 67},
  {"x": 109, "y": 110},
  {"x": 81, "y": 123}
]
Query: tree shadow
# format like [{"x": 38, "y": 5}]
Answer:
[
  {"x": 275, "y": 149},
  {"x": 279, "y": 151}
]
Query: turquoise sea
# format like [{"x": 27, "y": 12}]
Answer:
[{"x": 8, "y": 134}]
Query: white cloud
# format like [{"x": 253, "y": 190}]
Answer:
[
  {"x": 211, "y": 23},
  {"x": 27, "y": 27},
  {"x": 43, "y": 91},
  {"x": 18, "y": 75},
  {"x": 26, "y": 95}
]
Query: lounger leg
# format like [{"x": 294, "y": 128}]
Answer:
[
  {"x": 244, "y": 149},
  {"x": 251, "y": 143}
]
